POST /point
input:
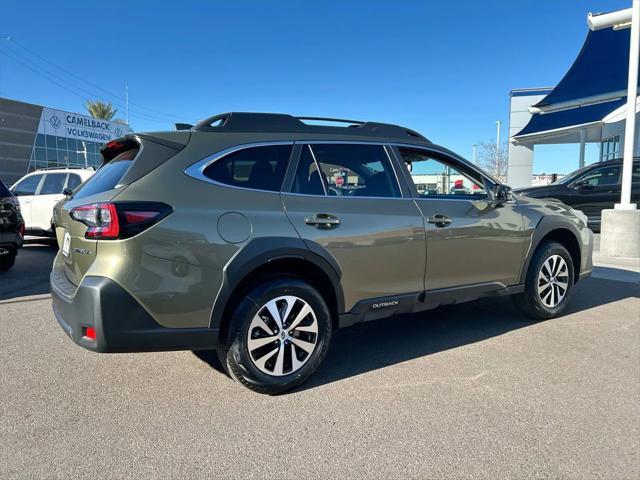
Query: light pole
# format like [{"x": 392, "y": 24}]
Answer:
[
  {"x": 621, "y": 226},
  {"x": 475, "y": 162},
  {"x": 498, "y": 143}
]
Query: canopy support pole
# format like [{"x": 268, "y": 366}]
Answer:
[
  {"x": 583, "y": 140},
  {"x": 630, "y": 127}
]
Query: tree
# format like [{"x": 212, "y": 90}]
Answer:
[
  {"x": 101, "y": 110},
  {"x": 493, "y": 160}
]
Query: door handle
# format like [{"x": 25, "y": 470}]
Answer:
[
  {"x": 439, "y": 220},
  {"x": 322, "y": 221}
]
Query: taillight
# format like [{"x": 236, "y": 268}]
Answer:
[
  {"x": 21, "y": 229},
  {"x": 109, "y": 221}
]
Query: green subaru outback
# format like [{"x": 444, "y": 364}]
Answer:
[{"x": 258, "y": 235}]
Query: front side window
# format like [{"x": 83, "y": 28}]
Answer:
[
  {"x": 258, "y": 168},
  {"x": 434, "y": 177},
  {"x": 53, "y": 183},
  {"x": 27, "y": 186},
  {"x": 601, "y": 177},
  {"x": 345, "y": 170}
]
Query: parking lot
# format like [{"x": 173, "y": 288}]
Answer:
[{"x": 467, "y": 391}]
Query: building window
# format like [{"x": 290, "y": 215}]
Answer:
[
  {"x": 610, "y": 148},
  {"x": 64, "y": 152}
]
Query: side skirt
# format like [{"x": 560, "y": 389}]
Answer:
[{"x": 384, "y": 307}]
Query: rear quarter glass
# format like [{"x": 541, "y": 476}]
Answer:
[{"x": 107, "y": 176}]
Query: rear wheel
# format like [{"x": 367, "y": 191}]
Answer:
[
  {"x": 549, "y": 282},
  {"x": 7, "y": 258},
  {"x": 278, "y": 336}
]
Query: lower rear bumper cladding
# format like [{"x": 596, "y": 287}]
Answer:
[{"x": 119, "y": 321}]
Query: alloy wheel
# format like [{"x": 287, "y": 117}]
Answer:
[
  {"x": 553, "y": 281},
  {"x": 282, "y": 335}
]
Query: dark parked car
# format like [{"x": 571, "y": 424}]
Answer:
[
  {"x": 11, "y": 228},
  {"x": 591, "y": 189}
]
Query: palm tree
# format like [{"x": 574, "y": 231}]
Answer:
[{"x": 101, "y": 110}]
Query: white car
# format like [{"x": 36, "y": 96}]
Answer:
[{"x": 39, "y": 191}]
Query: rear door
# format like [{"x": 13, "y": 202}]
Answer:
[
  {"x": 25, "y": 190},
  {"x": 346, "y": 198},
  {"x": 49, "y": 193}
]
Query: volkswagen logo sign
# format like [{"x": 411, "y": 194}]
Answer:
[
  {"x": 55, "y": 122},
  {"x": 118, "y": 132}
]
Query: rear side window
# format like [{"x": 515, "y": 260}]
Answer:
[
  {"x": 107, "y": 176},
  {"x": 258, "y": 168},
  {"x": 53, "y": 183},
  {"x": 27, "y": 186},
  {"x": 345, "y": 170}
]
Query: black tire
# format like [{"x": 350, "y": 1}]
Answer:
[
  {"x": 241, "y": 364},
  {"x": 537, "y": 305},
  {"x": 7, "y": 258}
]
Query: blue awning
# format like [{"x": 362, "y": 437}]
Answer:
[
  {"x": 599, "y": 72},
  {"x": 573, "y": 117}
]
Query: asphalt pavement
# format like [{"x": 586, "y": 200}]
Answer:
[{"x": 467, "y": 391}]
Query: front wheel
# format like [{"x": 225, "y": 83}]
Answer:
[
  {"x": 278, "y": 336},
  {"x": 549, "y": 282}
]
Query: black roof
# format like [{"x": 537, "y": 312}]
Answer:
[{"x": 279, "y": 122}]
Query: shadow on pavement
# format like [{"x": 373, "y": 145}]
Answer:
[
  {"x": 371, "y": 346},
  {"x": 30, "y": 274}
]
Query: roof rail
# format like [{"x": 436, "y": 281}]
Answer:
[
  {"x": 65, "y": 167},
  {"x": 280, "y": 122}
]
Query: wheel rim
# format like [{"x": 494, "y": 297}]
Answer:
[
  {"x": 553, "y": 281},
  {"x": 282, "y": 336}
]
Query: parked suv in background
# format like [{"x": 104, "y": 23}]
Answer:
[
  {"x": 259, "y": 234},
  {"x": 591, "y": 189},
  {"x": 11, "y": 228},
  {"x": 39, "y": 191}
]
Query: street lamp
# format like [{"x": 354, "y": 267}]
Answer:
[{"x": 621, "y": 227}]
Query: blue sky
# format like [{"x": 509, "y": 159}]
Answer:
[{"x": 443, "y": 68}]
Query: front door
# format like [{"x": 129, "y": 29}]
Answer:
[
  {"x": 347, "y": 199},
  {"x": 595, "y": 191},
  {"x": 470, "y": 242}
]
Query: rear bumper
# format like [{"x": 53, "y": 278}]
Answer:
[{"x": 119, "y": 321}]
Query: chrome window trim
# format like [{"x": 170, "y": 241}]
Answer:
[{"x": 196, "y": 170}]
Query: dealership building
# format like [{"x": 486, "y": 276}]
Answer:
[{"x": 33, "y": 137}]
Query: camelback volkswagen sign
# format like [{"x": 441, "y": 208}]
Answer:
[{"x": 80, "y": 127}]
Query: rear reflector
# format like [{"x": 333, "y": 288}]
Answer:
[{"x": 90, "y": 333}]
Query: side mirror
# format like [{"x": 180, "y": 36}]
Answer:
[
  {"x": 501, "y": 194},
  {"x": 67, "y": 192}
]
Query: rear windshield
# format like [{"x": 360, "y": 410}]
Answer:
[
  {"x": 4, "y": 191},
  {"x": 107, "y": 176}
]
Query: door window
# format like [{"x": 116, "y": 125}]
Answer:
[
  {"x": 259, "y": 168},
  {"x": 53, "y": 184},
  {"x": 27, "y": 186},
  {"x": 73, "y": 181},
  {"x": 601, "y": 177},
  {"x": 345, "y": 170},
  {"x": 434, "y": 177}
]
